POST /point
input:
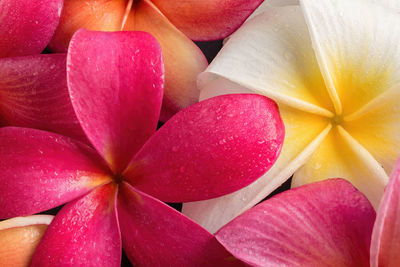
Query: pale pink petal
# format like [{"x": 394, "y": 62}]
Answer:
[
  {"x": 41, "y": 170},
  {"x": 327, "y": 223},
  {"x": 117, "y": 96},
  {"x": 209, "y": 149},
  {"x": 34, "y": 94},
  {"x": 385, "y": 244},
  {"x": 84, "y": 233},
  {"x": 27, "y": 27},
  {"x": 208, "y": 19},
  {"x": 154, "y": 234}
]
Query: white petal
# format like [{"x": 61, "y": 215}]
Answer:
[
  {"x": 356, "y": 44},
  {"x": 272, "y": 55}
]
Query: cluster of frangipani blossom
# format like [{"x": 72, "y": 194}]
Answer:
[{"x": 79, "y": 130}]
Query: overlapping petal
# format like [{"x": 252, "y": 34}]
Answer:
[
  {"x": 209, "y": 149},
  {"x": 322, "y": 224},
  {"x": 385, "y": 242},
  {"x": 207, "y": 20},
  {"x": 84, "y": 231},
  {"x": 98, "y": 15},
  {"x": 272, "y": 54},
  {"x": 44, "y": 170},
  {"x": 117, "y": 96},
  {"x": 175, "y": 240},
  {"x": 26, "y": 29},
  {"x": 34, "y": 94},
  {"x": 303, "y": 134},
  {"x": 340, "y": 155},
  {"x": 183, "y": 59},
  {"x": 356, "y": 46},
  {"x": 19, "y": 238}
]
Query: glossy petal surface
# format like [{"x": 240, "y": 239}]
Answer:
[
  {"x": 302, "y": 138},
  {"x": 84, "y": 231},
  {"x": 34, "y": 94},
  {"x": 19, "y": 238},
  {"x": 183, "y": 59},
  {"x": 41, "y": 170},
  {"x": 117, "y": 97},
  {"x": 209, "y": 149},
  {"x": 26, "y": 29},
  {"x": 154, "y": 234},
  {"x": 208, "y": 19},
  {"x": 386, "y": 234},
  {"x": 322, "y": 224}
]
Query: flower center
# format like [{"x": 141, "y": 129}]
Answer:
[
  {"x": 337, "y": 120},
  {"x": 118, "y": 178}
]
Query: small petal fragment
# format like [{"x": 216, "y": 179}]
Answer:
[
  {"x": 356, "y": 44},
  {"x": 19, "y": 238},
  {"x": 208, "y": 19},
  {"x": 183, "y": 59},
  {"x": 84, "y": 231},
  {"x": 117, "y": 97},
  {"x": 98, "y": 15},
  {"x": 303, "y": 133},
  {"x": 209, "y": 149},
  {"x": 154, "y": 234},
  {"x": 26, "y": 28},
  {"x": 322, "y": 224},
  {"x": 385, "y": 244},
  {"x": 34, "y": 94},
  {"x": 41, "y": 170}
]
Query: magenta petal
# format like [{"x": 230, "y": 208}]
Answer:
[
  {"x": 84, "y": 233},
  {"x": 27, "y": 27},
  {"x": 41, "y": 170},
  {"x": 385, "y": 244},
  {"x": 34, "y": 94},
  {"x": 154, "y": 234},
  {"x": 117, "y": 96},
  {"x": 327, "y": 223},
  {"x": 209, "y": 149}
]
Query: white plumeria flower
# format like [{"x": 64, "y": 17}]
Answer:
[{"x": 333, "y": 67}]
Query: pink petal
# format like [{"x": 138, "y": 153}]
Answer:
[
  {"x": 385, "y": 244},
  {"x": 27, "y": 27},
  {"x": 209, "y": 149},
  {"x": 154, "y": 234},
  {"x": 207, "y": 19},
  {"x": 84, "y": 233},
  {"x": 41, "y": 170},
  {"x": 327, "y": 223},
  {"x": 117, "y": 96},
  {"x": 34, "y": 94}
]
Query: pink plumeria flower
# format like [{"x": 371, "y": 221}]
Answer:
[
  {"x": 19, "y": 238},
  {"x": 333, "y": 68},
  {"x": 172, "y": 22},
  {"x": 115, "y": 83},
  {"x": 327, "y": 223},
  {"x": 33, "y": 87}
]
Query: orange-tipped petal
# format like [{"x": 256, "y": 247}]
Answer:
[
  {"x": 207, "y": 19},
  {"x": 101, "y": 15},
  {"x": 19, "y": 238},
  {"x": 183, "y": 59}
]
